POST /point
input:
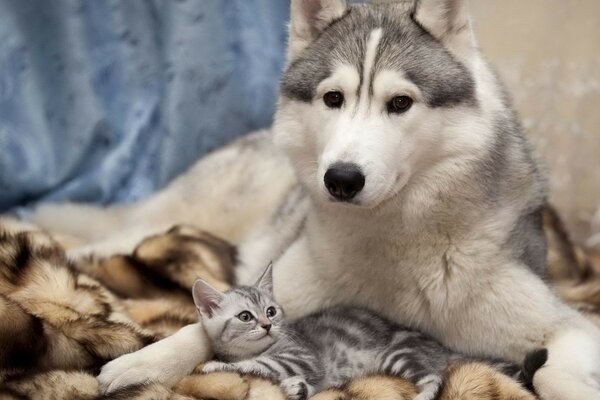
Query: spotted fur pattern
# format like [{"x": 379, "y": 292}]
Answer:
[{"x": 61, "y": 320}]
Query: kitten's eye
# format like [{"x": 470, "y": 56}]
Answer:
[
  {"x": 271, "y": 312},
  {"x": 245, "y": 316},
  {"x": 399, "y": 104},
  {"x": 333, "y": 99}
]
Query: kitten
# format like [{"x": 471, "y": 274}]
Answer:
[{"x": 250, "y": 335}]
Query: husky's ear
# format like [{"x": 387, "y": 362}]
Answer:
[
  {"x": 308, "y": 18},
  {"x": 265, "y": 282},
  {"x": 206, "y": 297},
  {"x": 448, "y": 21}
]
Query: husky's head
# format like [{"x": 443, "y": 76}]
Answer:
[{"x": 374, "y": 96}]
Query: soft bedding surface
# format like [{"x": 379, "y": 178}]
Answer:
[{"x": 61, "y": 319}]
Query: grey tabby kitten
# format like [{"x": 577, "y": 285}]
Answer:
[{"x": 250, "y": 335}]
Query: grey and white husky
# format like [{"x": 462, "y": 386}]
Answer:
[
  {"x": 396, "y": 177},
  {"x": 249, "y": 334}
]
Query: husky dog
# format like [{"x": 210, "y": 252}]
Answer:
[
  {"x": 396, "y": 177},
  {"x": 249, "y": 334}
]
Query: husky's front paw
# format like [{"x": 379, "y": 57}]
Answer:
[
  {"x": 572, "y": 371},
  {"x": 552, "y": 383},
  {"x": 166, "y": 361},
  {"x": 216, "y": 366},
  {"x": 295, "y": 388},
  {"x": 131, "y": 369}
]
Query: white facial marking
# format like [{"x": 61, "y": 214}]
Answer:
[
  {"x": 389, "y": 83},
  {"x": 369, "y": 62},
  {"x": 344, "y": 78}
]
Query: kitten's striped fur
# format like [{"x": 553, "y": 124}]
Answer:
[{"x": 322, "y": 350}]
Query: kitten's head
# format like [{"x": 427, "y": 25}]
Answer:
[{"x": 241, "y": 322}]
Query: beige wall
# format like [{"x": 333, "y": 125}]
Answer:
[{"x": 548, "y": 53}]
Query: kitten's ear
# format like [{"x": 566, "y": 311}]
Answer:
[
  {"x": 265, "y": 282},
  {"x": 206, "y": 297},
  {"x": 308, "y": 18},
  {"x": 448, "y": 21}
]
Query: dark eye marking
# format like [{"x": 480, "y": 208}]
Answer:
[
  {"x": 333, "y": 99},
  {"x": 399, "y": 104}
]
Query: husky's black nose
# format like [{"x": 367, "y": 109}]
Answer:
[{"x": 344, "y": 181}]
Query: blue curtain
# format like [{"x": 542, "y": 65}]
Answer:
[{"x": 107, "y": 100}]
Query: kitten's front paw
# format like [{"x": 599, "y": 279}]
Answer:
[
  {"x": 216, "y": 366},
  {"x": 295, "y": 388}
]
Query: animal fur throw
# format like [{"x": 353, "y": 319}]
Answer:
[{"x": 61, "y": 319}]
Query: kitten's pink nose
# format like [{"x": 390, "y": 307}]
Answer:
[{"x": 266, "y": 327}]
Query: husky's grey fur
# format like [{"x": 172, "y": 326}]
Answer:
[
  {"x": 443, "y": 233},
  {"x": 320, "y": 351}
]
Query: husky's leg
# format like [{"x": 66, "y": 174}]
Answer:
[
  {"x": 572, "y": 371},
  {"x": 228, "y": 193},
  {"x": 84, "y": 221},
  {"x": 573, "y": 368},
  {"x": 121, "y": 242},
  {"x": 166, "y": 361},
  {"x": 273, "y": 237},
  {"x": 170, "y": 359},
  {"x": 516, "y": 313},
  {"x": 104, "y": 231}
]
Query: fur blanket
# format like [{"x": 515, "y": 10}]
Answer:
[{"x": 61, "y": 319}]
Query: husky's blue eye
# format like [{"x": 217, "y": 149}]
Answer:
[
  {"x": 245, "y": 316},
  {"x": 333, "y": 99},
  {"x": 271, "y": 312},
  {"x": 399, "y": 104}
]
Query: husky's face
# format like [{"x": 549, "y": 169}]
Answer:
[{"x": 371, "y": 97}]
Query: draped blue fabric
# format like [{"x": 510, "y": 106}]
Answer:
[{"x": 106, "y": 100}]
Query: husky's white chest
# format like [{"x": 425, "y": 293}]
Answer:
[
  {"x": 407, "y": 278},
  {"x": 444, "y": 282}
]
